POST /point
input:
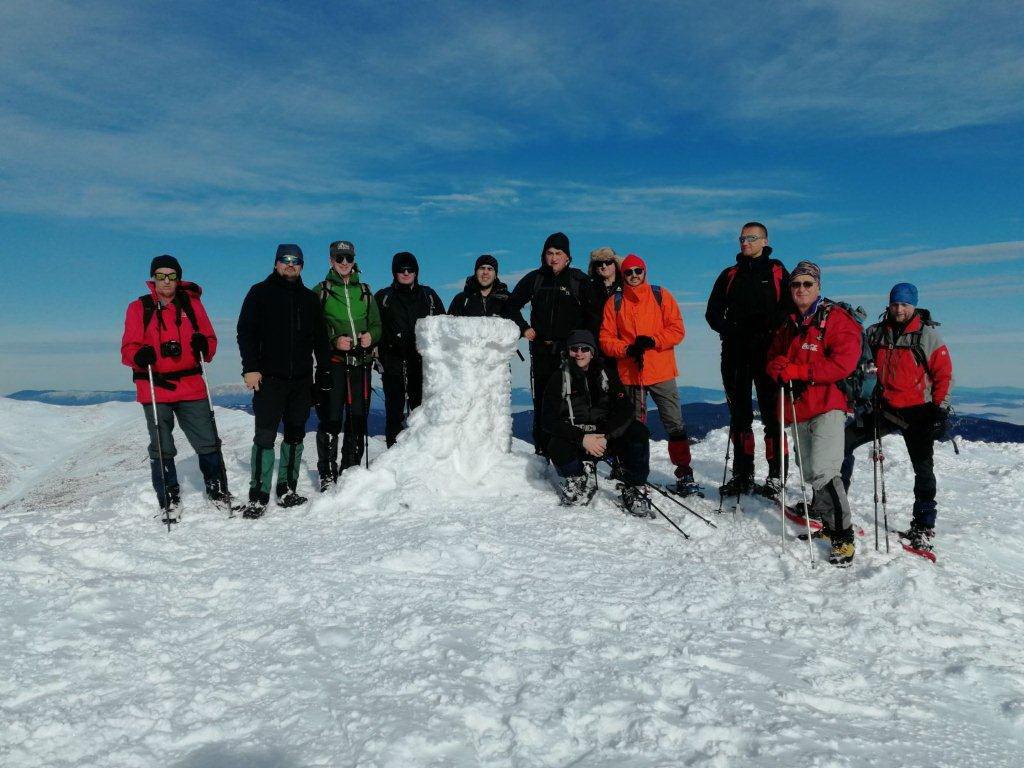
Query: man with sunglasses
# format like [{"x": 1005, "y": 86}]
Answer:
[
  {"x": 281, "y": 329},
  {"x": 342, "y": 389},
  {"x": 747, "y": 304},
  {"x": 401, "y": 304},
  {"x": 557, "y": 295},
  {"x": 641, "y": 329},
  {"x": 167, "y": 331},
  {"x": 587, "y": 416},
  {"x": 817, "y": 347}
]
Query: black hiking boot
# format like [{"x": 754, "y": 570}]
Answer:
[
  {"x": 635, "y": 501},
  {"x": 737, "y": 485},
  {"x": 291, "y": 499},
  {"x": 686, "y": 486},
  {"x": 919, "y": 537}
]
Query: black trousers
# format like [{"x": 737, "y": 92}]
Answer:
[
  {"x": 344, "y": 407},
  {"x": 915, "y": 424},
  {"x": 278, "y": 400},
  {"x": 743, "y": 367},
  {"x": 403, "y": 382},
  {"x": 632, "y": 448},
  {"x": 543, "y": 365}
]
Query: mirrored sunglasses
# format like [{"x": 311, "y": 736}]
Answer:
[
  {"x": 291, "y": 261},
  {"x": 580, "y": 348},
  {"x": 750, "y": 238},
  {"x": 168, "y": 277}
]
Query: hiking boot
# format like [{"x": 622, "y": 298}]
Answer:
[
  {"x": 824, "y": 534},
  {"x": 841, "y": 554},
  {"x": 590, "y": 475},
  {"x": 686, "y": 486},
  {"x": 919, "y": 537},
  {"x": 291, "y": 499},
  {"x": 326, "y": 481},
  {"x": 738, "y": 484},
  {"x": 771, "y": 489},
  {"x": 635, "y": 501},
  {"x": 574, "y": 491}
]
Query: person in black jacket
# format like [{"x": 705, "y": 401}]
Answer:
[
  {"x": 484, "y": 295},
  {"x": 281, "y": 329},
  {"x": 747, "y": 303},
  {"x": 557, "y": 294},
  {"x": 605, "y": 275},
  {"x": 587, "y": 416},
  {"x": 401, "y": 304}
]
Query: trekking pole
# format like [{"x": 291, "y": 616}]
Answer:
[
  {"x": 782, "y": 437},
  {"x": 216, "y": 435},
  {"x": 803, "y": 487},
  {"x": 672, "y": 522},
  {"x": 725, "y": 469},
  {"x": 160, "y": 453},
  {"x": 367, "y": 389},
  {"x": 874, "y": 475},
  {"x": 881, "y": 475},
  {"x": 670, "y": 497}
]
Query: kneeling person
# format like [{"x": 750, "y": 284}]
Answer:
[{"x": 587, "y": 417}]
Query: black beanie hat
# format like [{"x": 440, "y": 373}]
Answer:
[
  {"x": 486, "y": 260},
  {"x": 288, "y": 249},
  {"x": 579, "y": 337},
  {"x": 556, "y": 240},
  {"x": 403, "y": 260},
  {"x": 166, "y": 261}
]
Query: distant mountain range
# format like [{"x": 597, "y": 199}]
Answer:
[{"x": 704, "y": 409}]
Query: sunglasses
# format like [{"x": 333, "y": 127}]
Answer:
[
  {"x": 607, "y": 263},
  {"x": 165, "y": 277},
  {"x": 580, "y": 348},
  {"x": 750, "y": 238},
  {"x": 634, "y": 272},
  {"x": 290, "y": 261},
  {"x": 405, "y": 271},
  {"x": 802, "y": 284},
  {"x": 344, "y": 258}
]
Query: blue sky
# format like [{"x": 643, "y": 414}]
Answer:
[{"x": 880, "y": 139}]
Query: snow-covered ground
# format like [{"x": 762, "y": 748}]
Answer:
[{"x": 408, "y": 627}]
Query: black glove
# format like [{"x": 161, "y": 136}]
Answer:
[
  {"x": 644, "y": 343},
  {"x": 145, "y": 357},
  {"x": 200, "y": 346},
  {"x": 939, "y": 421},
  {"x": 637, "y": 354}
]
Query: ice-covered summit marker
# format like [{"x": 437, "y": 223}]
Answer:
[{"x": 462, "y": 432}]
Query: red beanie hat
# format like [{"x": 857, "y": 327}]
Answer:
[{"x": 632, "y": 261}]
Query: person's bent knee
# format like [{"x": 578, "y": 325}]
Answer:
[
  {"x": 294, "y": 433},
  {"x": 265, "y": 438}
]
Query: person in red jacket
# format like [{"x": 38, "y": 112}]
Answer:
[
  {"x": 641, "y": 329},
  {"x": 818, "y": 346},
  {"x": 167, "y": 330},
  {"x": 915, "y": 376}
]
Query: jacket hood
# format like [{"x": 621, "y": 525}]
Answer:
[
  {"x": 335, "y": 279},
  {"x": 765, "y": 256},
  {"x": 192, "y": 289},
  {"x": 637, "y": 292},
  {"x": 472, "y": 286}
]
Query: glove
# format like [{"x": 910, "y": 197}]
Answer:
[
  {"x": 939, "y": 421},
  {"x": 145, "y": 357},
  {"x": 777, "y": 366},
  {"x": 795, "y": 372},
  {"x": 636, "y": 353},
  {"x": 200, "y": 346},
  {"x": 644, "y": 343}
]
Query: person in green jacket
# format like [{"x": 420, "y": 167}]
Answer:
[{"x": 343, "y": 390}]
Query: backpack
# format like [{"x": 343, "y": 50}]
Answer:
[
  {"x": 617, "y": 296},
  {"x": 913, "y": 338},
  {"x": 862, "y": 377},
  {"x": 182, "y": 303}
]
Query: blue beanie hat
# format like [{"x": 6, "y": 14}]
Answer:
[{"x": 903, "y": 293}]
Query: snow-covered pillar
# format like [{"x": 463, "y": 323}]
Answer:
[{"x": 462, "y": 432}]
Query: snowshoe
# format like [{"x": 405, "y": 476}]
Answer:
[
  {"x": 635, "y": 501},
  {"x": 686, "y": 487},
  {"x": 325, "y": 483},
  {"x": 919, "y": 538},
  {"x": 771, "y": 489},
  {"x": 737, "y": 485},
  {"x": 291, "y": 499},
  {"x": 573, "y": 491},
  {"x": 254, "y": 510},
  {"x": 170, "y": 515},
  {"x": 841, "y": 554}
]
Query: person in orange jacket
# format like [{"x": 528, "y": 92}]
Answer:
[{"x": 641, "y": 329}]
